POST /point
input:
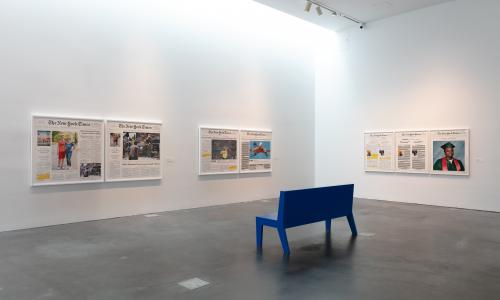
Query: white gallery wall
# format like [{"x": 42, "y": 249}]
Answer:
[
  {"x": 438, "y": 67},
  {"x": 184, "y": 63}
]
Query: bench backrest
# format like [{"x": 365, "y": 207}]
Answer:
[{"x": 306, "y": 206}]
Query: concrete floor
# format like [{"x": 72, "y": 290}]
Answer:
[{"x": 404, "y": 251}]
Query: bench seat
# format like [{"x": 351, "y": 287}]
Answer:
[{"x": 301, "y": 207}]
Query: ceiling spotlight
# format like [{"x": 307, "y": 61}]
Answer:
[
  {"x": 308, "y": 6},
  {"x": 319, "y": 11}
]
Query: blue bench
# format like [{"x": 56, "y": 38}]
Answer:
[{"x": 307, "y": 206}]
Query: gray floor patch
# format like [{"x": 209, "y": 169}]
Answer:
[
  {"x": 367, "y": 234},
  {"x": 193, "y": 283},
  {"x": 151, "y": 215}
]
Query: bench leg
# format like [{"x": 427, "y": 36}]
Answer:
[
  {"x": 350, "y": 219},
  {"x": 284, "y": 240},
  {"x": 328, "y": 225},
  {"x": 259, "y": 232}
]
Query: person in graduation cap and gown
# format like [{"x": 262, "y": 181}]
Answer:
[{"x": 448, "y": 162}]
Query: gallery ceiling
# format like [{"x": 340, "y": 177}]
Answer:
[{"x": 363, "y": 10}]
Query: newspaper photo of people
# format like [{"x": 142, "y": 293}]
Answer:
[
  {"x": 449, "y": 156},
  {"x": 141, "y": 146},
  {"x": 64, "y": 144},
  {"x": 114, "y": 139},
  {"x": 260, "y": 150},
  {"x": 90, "y": 170},
  {"x": 224, "y": 149},
  {"x": 43, "y": 138}
]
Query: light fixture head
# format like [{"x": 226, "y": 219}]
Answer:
[
  {"x": 308, "y": 6},
  {"x": 319, "y": 11}
]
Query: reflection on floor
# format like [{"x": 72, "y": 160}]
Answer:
[{"x": 404, "y": 251}]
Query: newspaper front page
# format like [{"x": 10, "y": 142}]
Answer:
[
  {"x": 66, "y": 150},
  {"x": 218, "y": 151},
  {"x": 133, "y": 151},
  {"x": 255, "y": 151},
  {"x": 450, "y": 151},
  {"x": 379, "y": 151},
  {"x": 412, "y": 151}
]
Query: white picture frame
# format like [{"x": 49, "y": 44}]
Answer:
[
  {"x": 418, "y": 142},
  {"x": 46, "y": 165},
  {"x": 250, "y": 161},
  {"x": 460, "y": 139},
  {"x": 117, "y": 168},
  {"x": 227, "y": 161},
  {"x": 379, "y": 151}
]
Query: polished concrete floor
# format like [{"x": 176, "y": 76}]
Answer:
[{"x": 403, "y": 251}]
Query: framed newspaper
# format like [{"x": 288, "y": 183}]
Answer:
[
  {"x": 133, "y": 150},
  {"x": 379, "y": 151},
  {"x": 255, "y": 151},
  {"x": 412, "y": 151},
  {"x": 218, "y": 150},
  {"x": 449, "y": 151},
  {"x": 66, "y": 150}
]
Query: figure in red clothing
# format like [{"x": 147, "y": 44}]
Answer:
[
  {"x": 61, "y": 153},
  {"x": 448, "y": 162},
  {"x": 259, "y": 148}
]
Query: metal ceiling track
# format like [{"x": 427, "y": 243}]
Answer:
[{"x": 337, "y": 13}]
